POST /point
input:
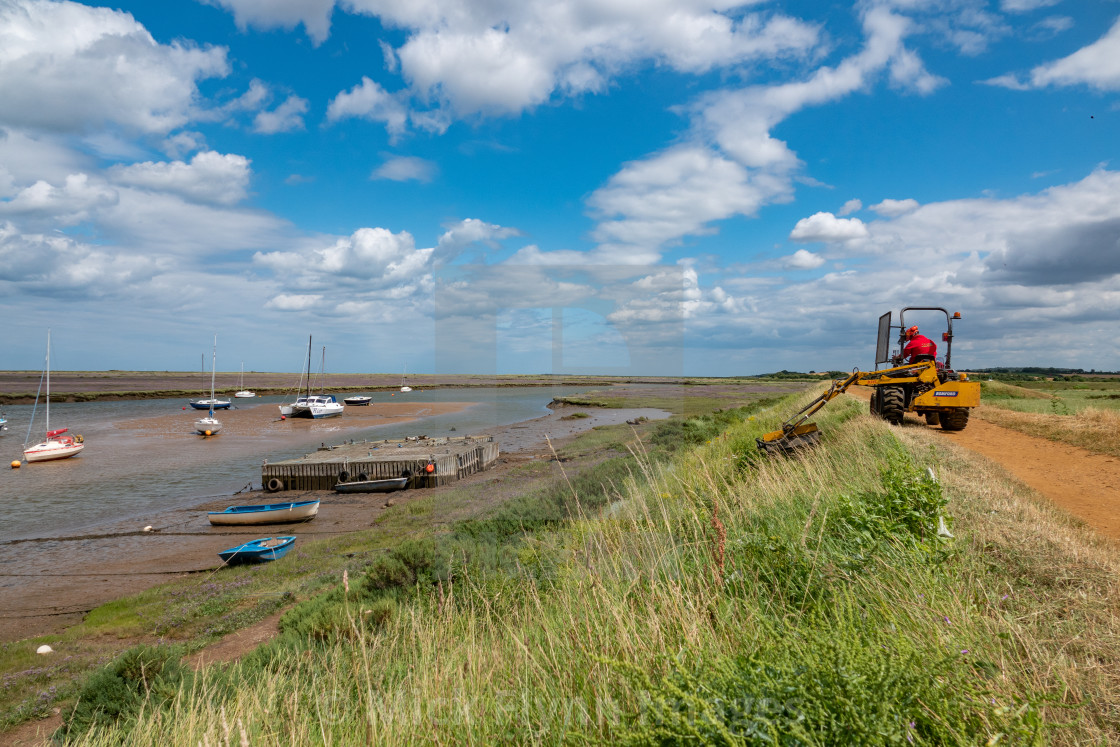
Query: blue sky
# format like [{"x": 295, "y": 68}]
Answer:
[{"x": 698, "y": 187}]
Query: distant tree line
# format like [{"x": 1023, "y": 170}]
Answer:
[
  {"x": 1031, "y": 373},
  {"x": 800, "y": 375},
  {"x": 999, "y": 373}
]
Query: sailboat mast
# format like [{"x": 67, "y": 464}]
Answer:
[
  {"x": 213, "y": 367},
  {"x": 309, "y": 365},
  {"x": 323, "y": 371},
  {"x": 48, "y": 379}
]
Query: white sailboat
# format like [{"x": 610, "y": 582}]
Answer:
[
  {"x": 404, "y": 376},
  {"x": 210, "y": 425},
  {"x": 56, "y": 445},
  {"x": 287, "y": 409},
  {"x": 242, "y": 392},
  {"x": 316, "y": 405}
]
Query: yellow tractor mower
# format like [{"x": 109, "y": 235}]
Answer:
[{"x": 924, "y": 385}]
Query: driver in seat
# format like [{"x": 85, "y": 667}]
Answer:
[{"x": 918, "y": 347}]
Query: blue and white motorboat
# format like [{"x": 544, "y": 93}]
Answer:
[
  {"x": 210, "y": 404},
  {"x": 258, "y": 550}
]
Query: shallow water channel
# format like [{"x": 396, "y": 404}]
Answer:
[{"x": 141, "y": 456}]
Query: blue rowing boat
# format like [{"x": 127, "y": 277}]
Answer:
[
  {"x": 271, "y": 513},
  {"x": 258, "y": 551}
]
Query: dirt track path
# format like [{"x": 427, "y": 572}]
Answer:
[{"x": 1083, "y": 483}]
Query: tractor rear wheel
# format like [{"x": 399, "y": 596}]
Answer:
[
  {"x": 892, "y": 405},
  {"x": 954, "y": 420}
]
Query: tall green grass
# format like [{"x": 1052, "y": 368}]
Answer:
[{"x": 707, "y": 595}]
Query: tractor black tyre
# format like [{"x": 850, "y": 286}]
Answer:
[
  {"x": 932, "y": 418},
  {"x": 954, "y": 420},
  {"x": 892, "y": 407}
]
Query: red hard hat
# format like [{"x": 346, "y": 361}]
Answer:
[{"x": 912, "y": 331}]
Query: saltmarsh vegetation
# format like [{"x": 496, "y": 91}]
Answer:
[
  {"x": 698, "y": 593},
  {"x": 1083, "y": 413}
]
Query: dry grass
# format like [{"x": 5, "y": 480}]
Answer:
[
  {"x": 1092, "y": 429},
  {"x": 1057, "y": 600},
  {"x": 1001, "y": 390}
]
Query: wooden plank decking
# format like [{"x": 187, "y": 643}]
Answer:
[{"x": 452, "y": 459}]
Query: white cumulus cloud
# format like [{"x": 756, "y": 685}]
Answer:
[
  {"x": 504, "y": 56},
  {"x": 371, "y": 259},
  {"x": 1096, "y": 66},
  {"x": 827, "y": 227},
  {"x": 405, "y": 169},
  {"x": 211, "y": 177},
  {"x": 68, "y": 203},
  {"x": 672, "y": 194},
  {"x": 70, "y": 68},
  {"x": 314, "y": 15},
  {"x": 284, "y": 118},
  {"x": 803, "y": 259},
  {"x": 894, "y": 208},
  {"x": 293, "y": 302},
  {"x": 368, "y": 100}
]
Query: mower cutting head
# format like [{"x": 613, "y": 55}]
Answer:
[{"x": 781, "y": 442}]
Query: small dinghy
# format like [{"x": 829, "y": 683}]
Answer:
[
  {"x": 272, "y": 513},
  {"x": 387, "y": 485},
  {"x": 357, "y": 400},
  {"x": 258, "y": 550}
]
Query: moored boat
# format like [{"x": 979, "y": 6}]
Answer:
[
  {"x": 242, "y": 392},
  {"x": 209, "y": 404},
  {"x": 386, "y": 485},
  {"x": 56, "y": 445},
  {"x": 258, "y": 551},
  {"x": 358, "y": 400},
  {"x": 317, "y": 406},
  {"x": 272, "y": 513},
  {"x": 210, "y": 425}
]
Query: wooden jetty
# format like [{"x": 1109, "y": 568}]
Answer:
[{"x": 427, "y": 462}]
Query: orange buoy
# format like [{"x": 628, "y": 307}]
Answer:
[
  {"x": 184, "y": 407},
  {"x": 208, "y": 433},
  {"x": 15, "y": 464},
  {"x": 430, "y": 468}
]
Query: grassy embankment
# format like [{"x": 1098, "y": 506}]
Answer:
[
  {"x": 196, "y": 611},
  {"x": 698, "y": 594},
  {"x": 1085, "y": 414}
]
